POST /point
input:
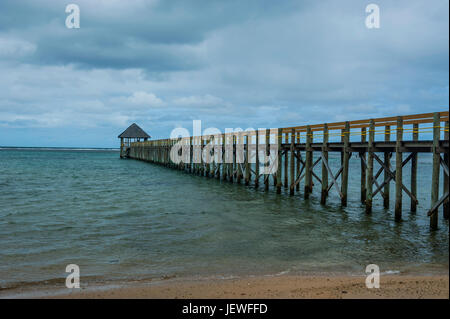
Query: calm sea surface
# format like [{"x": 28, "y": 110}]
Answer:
[{"x": 122, "y": 220}]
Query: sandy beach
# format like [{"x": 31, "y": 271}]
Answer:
[{"x": 287, "y": 286}]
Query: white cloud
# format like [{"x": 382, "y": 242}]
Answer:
[
  {"x": 145, "y": 99},
  {"x": 206, "y": 100},
  {"x": 15, "y": 47}
]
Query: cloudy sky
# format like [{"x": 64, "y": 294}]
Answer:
[{"x": 250, "y": 63}]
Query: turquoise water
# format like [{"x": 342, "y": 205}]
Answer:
[{"x": 123, "y": 220}]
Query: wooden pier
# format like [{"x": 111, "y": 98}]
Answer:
[{"x": 285, "y": 157}]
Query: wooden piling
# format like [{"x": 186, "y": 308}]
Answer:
[
  {"x": 218, "y": 156},
  {"x": 446, "y": 202},
  {"x": 202, "y": 161},
  {"x": 415, "y": 136},
  {"x": 212, "y": 143},
  {"x": 234, "y": 170},
  {"x": 224, "y": 157},
  {"x": 266, "y": 176},
  {"x": 230, "y": 142},
  {"x": 208, "y": 156},
  {"x": 324, "y": 194},
  {"x": 191, "y": 154},
  {"x": 257, "y": 159},
  {"x": 239, "y": 154},
  {"x": 345, "y": 166},
  {"x": 436, "y": 167},
  {"x": 308, "y": 162},
  {"x": 292, "y": 163},
  {"x": 362, "y": 156},
  {"x": 369, "y": 169},
  {"x": 279, "y": 156},
  {"x": 398, "y": 169},
  {"x": 387, "y": 163},
  {"x": 247, "y": 159},
  {"x": 297, "y": 167},
  {"x": 286, "y": 161}
]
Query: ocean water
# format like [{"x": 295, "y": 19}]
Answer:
[{"x": 125, "y": 220}]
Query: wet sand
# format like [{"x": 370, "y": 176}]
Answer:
[{"x": 287, "y": 286}]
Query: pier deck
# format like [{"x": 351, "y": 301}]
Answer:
[{"x": 285, "y": 157}]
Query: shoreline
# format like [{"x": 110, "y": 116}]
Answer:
[{"x": 284, "y": 286}]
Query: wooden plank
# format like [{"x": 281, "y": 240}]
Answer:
[{"x": 378, "y": 122}]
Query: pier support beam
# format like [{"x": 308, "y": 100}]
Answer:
[
  {"x": 446, "y": 202},
  {"x": 257, "y": 160},
  {"x": 239, "y": 155},
  {"x": 435, "y": 173},
  {"x": 292, "y": 164},
  {"x": 324, "y": 194},
  {"x": 218, "y": 155},
  {"x": 247, "y": 158},
  {"x": 224, "y": 157},
  {"x": 415, "y": 136},
  {"x": 267, "y": 176},
  {"x": 387, "y": 163},
  {"x": 308, "y": 162},
  {"x": 297, "y": 168},
  {"x": 362, "y": 156},
  {"x": 345, "y": 164},
  {"x": 208, "y": 156},
  {"x": 279, "y": 156},
  {"x": 231, "y": 172},
  {"x": 191, "y": 154},
  {"x": 398, "y": 170},
  {"x": 286, "y": 161},
  {"x": 369, "y": 182}
]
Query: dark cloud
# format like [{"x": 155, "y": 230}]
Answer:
[{"x": 229, "y": 63}]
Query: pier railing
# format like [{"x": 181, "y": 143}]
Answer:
[{"x": 285, "y": 157}]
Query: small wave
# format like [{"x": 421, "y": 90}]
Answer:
[{"x": 281, "y": 273}]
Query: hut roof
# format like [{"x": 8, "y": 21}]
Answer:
[{"x": 134, "y": 131}]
